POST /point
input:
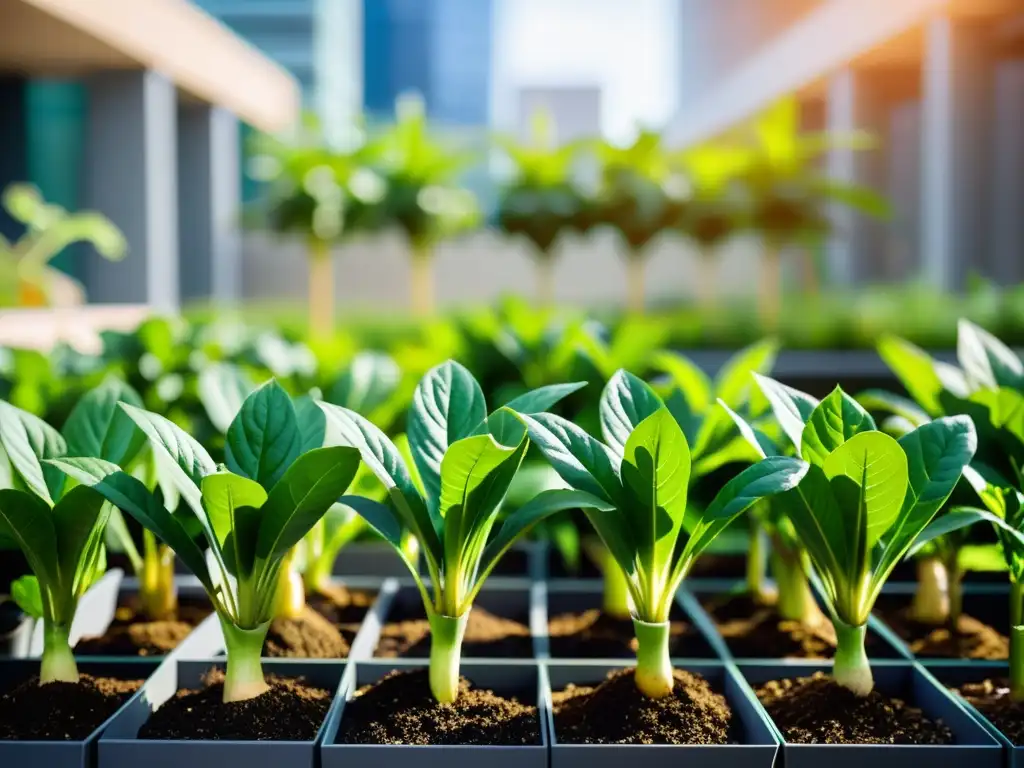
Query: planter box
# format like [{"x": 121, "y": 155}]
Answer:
[
  {"x": 120, "y": 747},
  {"x": 14, "y": 642},
  {"x": 66, "y": 754},
  {"x": 93, "y": 616},
  {"x": 578, "y": 595},
  {"x": 206, "y": 641},
  {"x": 372, "y": 558},
  {"x": 506, "y": 597},
  {"x": 974, "y": 747},
  {"x": 506, "y": 678},
  {"x": 952, "y": 672},
  {"x": 883, "y": 642},
  {"x": 758, "y": 747}
]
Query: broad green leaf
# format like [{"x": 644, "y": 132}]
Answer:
[
  {"x": 302, "y": 496},
  {"x": 656, "y": 469},
  {"x": 26, "y": 520},
  {"x": 28, "y": 441},
  {"x": 119, "y": 539},
  {"x": 97, "y": 427},
  {"x": 264, "y": 438},
  {"x": 986, "y": 361},
  {"x": 448, "y": 405},
  {"x": 916, "y": 371},
  {"x": 380, "y": 517},
  {"x": 130, "y": 495},
  {"x": 312, "y": 423},
  {"x": 540, "y": 507},
  {"x": 222, "y": 388},
  {"x": 234, "y": 506},
  {"x": 688, "y": 419},
  {"x": 758, "y": 441},
  {"x": 540, "y": 399},
  {"x": 813, "y": 510},
  {"x": 26, "y": 593},
  {"x": 734, "y": 450},
  {"x": 792, "y": 408},
  {"x": 770, "y": 477},
  {"x": 383, "y": 457},
  {"x": 625, "y": 402},
  {"x": 688, "y": 380},
  {"x": 876, "y": 468},
  {"x": 732, "y": 385},
  {"x": 879, "y": 400},
  {"x": 959, "y": 518},
  {"x": 834, "y": 421},
  {"x": 583, "y": 462},
  {"x": 1005, "y": 409},
  {"x": 78, "y": 519},
  {"x": 368, "y": 382}
]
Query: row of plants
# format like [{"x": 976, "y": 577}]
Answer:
[{"x": 259, "y": 512}]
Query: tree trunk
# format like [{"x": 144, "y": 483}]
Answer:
[
  {"x": 770, "y": 298},
  {"x": 321, "y": 289},
  {"x": 635, "y": 296},
  {"x": 545, "y": 280},
  {"x": 422, "y": 298}
]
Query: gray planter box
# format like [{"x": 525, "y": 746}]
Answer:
[
  {"x": 951, "y": 672},
  {"x": 66, "y": 754},
  {"x": 578, "y": 595},
  {"x": 120, "y": 747},
  {"x": 985, "y": 602},
  {"x": 883, "y": 642},
  {"x": 95, "y": 611},
  {"x": 974, "y": 747},
  {"x": 511, "y": 598},
  {"x": 519, "y": 679},
  {"x": 207, "y": 640},
  {"x": 372, "y": 558},
  {"x": 757, "y": 749}
]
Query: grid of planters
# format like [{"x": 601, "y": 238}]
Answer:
[{"x": 873, "y": 613}]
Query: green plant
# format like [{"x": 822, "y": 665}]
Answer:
[
  {"x": 863, "y": 501},
  {"x": 26, "y": 276},
  {"x": 639, "y": 479},
  {"x": 58, "y": 527},
  {"x": 252, "y": 512},
  {"x": 464, "y": 461}
]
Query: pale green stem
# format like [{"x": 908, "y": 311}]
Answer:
[
  {"x": 796, "y": 599},
  {"x": 1017, "y": 641},
  {"x": 756, "y": 559},
  {"x": 446, "y": 633},
  {"x": 243, "y": 678},
  {"x": 616, "y": 589},
  {"x": 851, "y": 668},
  {"x": 931, "y": 596},
  {"x": 955, "y": 575},
  {"x": 157, "y": 592},
  {"x": 653, "y": 663},
  {"x": 58, "y": 662},
  {"x": 291, "y": 592}
]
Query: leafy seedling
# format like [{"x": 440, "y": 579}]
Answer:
[
  {"x": 252, "y": 512},
  {"x": 465, "y": 460},
  {"x": 637, "y": 482}
]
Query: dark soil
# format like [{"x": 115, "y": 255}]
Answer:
[
  {"x": 132, "y": 635},
  {"x": 308, "y": 636},
  {"x": 399, "y": 709},
  {"x": 615, "y": 712},
  {"x": 972, "y": 638},
  {"x": 61, "y": 711},
  {"x": 290, "y": 711},
  {"x": 487, "y": 635},
  {"x": 341, "y": 606},
  {"x": 815, "y": 710},
  {"x": 719, "y": 567},
  {"x": 592, "y": 634},
  {"x": 992, "y": 699}
]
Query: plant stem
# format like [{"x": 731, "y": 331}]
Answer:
[
  {"x": 635, "y": 291},
  {"x": 931, "y": 598},
  {"x": 243, "y": 678},
  {"x": 616, "y": 589},
  {"x": 796, "y": 599},
  {"x": 545, "y": 280},
  {"x": 1016, "y": 641},
  {"x": 851, "y": 668},
  {"x": 321, "y": 288},
  {"x": 422, "y": 277},
  {"x": 446, "y": 633},
  {"x": 291, "y": 592},
  {"x": 956, "y": 590},
  {"x": 756, "y": 559},
  {"x": 58, "y": 662},
  {"x": 653, "y": 664},
  {"x": 157, "y": 592}
]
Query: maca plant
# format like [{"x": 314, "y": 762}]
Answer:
[
  {"x": 252, "y": 512},
  {"x": 863, "y": 501},
  {"x": 56, "y": 525},
  {"x": 637, "y": 483},
  {"x": 465, "y": 460}
]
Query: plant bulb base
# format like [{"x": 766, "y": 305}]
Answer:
[
  {"x": 851, "y": 668},
  {"x": 446, "y": 633},
  {"x": 654, "y": 675},
  {"x": 58, "y": 662},
  {"x": 243, "y": 677},
  {"x": 931, "y": 598}
]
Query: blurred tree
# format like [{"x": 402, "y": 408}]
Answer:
[
  {"x": 420, "y": 191},
  {"x": 26, "y": 276},
  {"x": 641, "y": 194},
  {"x": 541, "y": 200}
]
